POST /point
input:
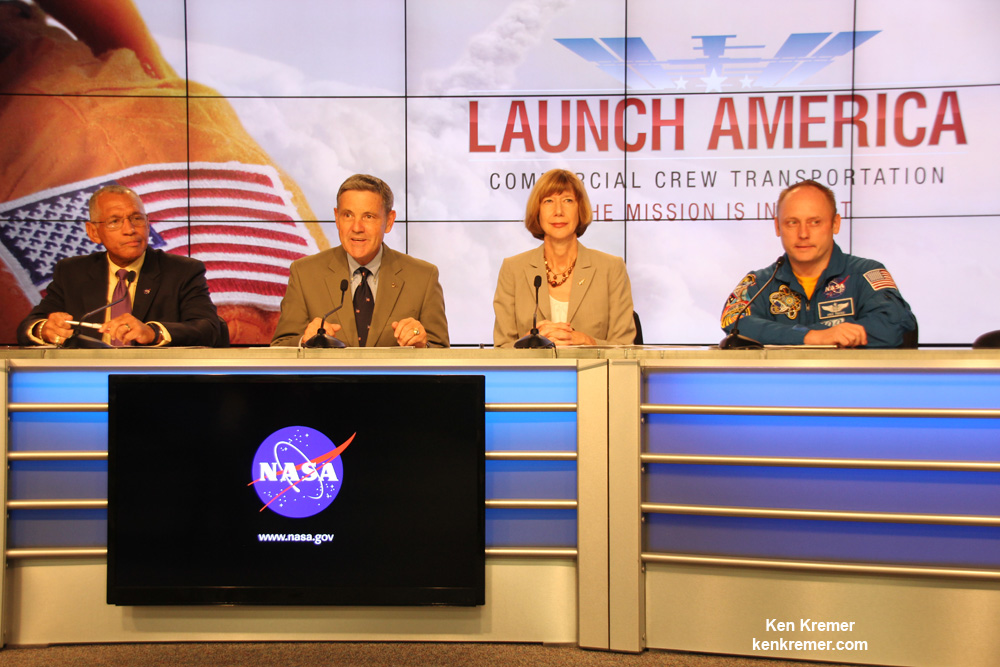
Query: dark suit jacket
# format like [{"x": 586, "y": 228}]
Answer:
[
  {"x": 407, "y": 287},
  {"x": 600, "y": 301},
  {"x": 171, "y": 290}
]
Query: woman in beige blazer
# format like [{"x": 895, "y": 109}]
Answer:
[{"x": 585, "y": 296}]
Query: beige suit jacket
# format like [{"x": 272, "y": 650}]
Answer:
[
  {"x": 600, "y": 301},
  {"x": 407, "y": 287}
]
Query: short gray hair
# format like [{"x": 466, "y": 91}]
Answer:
[{"x": 114, "y": 189}]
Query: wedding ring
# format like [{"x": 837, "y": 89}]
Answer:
[
  {"x": 416, "y": 332},
  {"x": 58, "y": 340}
]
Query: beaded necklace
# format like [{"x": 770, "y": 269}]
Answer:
[{"x": 557, "y": 279}]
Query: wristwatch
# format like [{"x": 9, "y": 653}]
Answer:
[{"x": 157, "y": 333}]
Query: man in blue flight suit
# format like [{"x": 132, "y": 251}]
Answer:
[{"x": 820, "y": 295}]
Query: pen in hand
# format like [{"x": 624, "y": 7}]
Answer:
[{"x": 89, "y": 325}]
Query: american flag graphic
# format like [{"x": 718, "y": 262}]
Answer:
[
  {"x": 880, "y": 279},
  {"x": 237, "y": 218}
]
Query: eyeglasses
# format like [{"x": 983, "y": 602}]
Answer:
[{"x": 115, "y": 223}]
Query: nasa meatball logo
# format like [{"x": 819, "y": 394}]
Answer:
[{"x": 297, "y": 471}]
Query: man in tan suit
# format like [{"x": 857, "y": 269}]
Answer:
[{"x": 408, "y": 305}]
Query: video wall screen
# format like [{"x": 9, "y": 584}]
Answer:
[
  {"x": 293, "y": 490},
  {"x": 685, "y": 120}
]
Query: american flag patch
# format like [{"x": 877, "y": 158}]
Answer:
[
  {"x": 880, "y": 279},
  {"x": 236, "y": 218}
]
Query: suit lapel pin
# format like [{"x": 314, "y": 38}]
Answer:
[
  {"x": 146, "y": 291},
  {"x": 581, "y": 281},
  {"x": 393, "y": 284}
]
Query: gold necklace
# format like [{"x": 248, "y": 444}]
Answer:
[{"x": 557, "y": 279}]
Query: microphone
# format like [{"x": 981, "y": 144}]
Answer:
[
  {"x": 323, "y": 339},
  {"x": 734, "y": 341},
  {"x": 533, "y": 340},
  {"x": 81, "y": 341}
]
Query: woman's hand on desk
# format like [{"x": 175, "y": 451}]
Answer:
[{"x": 561, "y": 333}]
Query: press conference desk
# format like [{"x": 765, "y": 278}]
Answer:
[{"x": 681, "y": 498}]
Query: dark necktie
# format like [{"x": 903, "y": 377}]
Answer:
[
  {"x": 364, "y": 304},
  {"x": 121, "y": 290}
]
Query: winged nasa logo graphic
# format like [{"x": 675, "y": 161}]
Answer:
[
  {"x": 297, "y": 471},
  {"x": 715, "y": 59}
]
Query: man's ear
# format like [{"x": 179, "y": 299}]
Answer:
[
  {"x": 92, "y": 233},
  {"x": 836, "y": 224},
  {"x": 389, "y": 219},
  {"x": 777, "y": 228}
]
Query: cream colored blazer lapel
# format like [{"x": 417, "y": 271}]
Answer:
[
  {"x": 536, "y": 267},
  {"x": 582, "y": 278}
]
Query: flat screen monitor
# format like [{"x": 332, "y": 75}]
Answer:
[{"x": 296, "y": 489}]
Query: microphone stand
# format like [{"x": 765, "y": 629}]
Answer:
[
  {"x": 322, "y": 339},
  {"x": 734, "y": 341},
  {"x": 534, "y": 340},
  {"x": 79, "y": 340}
]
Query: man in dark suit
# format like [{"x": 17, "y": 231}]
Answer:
[
  {"x": 165, "y": 297},
  {"x": 396, "y": 299}
]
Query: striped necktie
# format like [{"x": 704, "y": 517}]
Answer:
[{"x": 121, "y": 292}]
